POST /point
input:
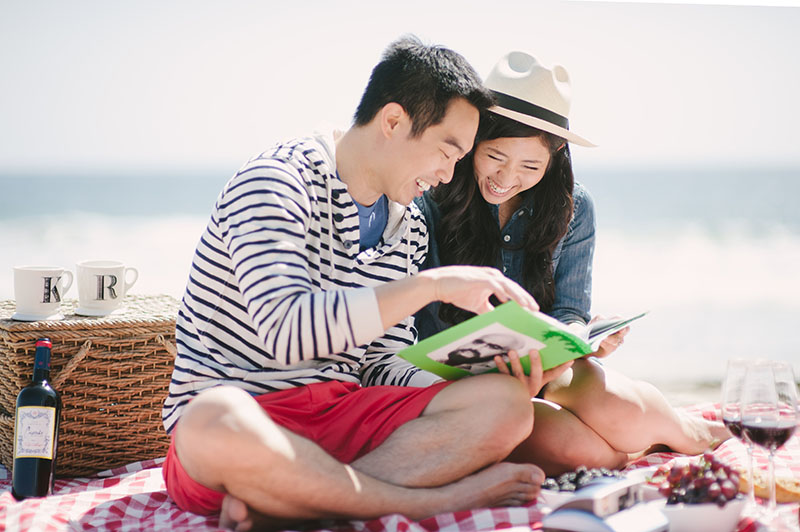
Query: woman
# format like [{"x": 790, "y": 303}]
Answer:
[{"x": 513, "y": 204}]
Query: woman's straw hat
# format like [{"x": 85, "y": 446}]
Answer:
[{"x": 528, "y": 92}]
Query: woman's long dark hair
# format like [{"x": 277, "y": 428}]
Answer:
[{"x": 468, "y": 233}]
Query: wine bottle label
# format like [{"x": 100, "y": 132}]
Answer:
[{"x": 34, "y": 432}]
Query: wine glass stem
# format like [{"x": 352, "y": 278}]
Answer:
[
  {"x": 772, "y": 502},
  {"x": 751, "y": 492}
]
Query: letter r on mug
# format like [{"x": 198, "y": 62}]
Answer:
[{"x": 103, "y": 285}]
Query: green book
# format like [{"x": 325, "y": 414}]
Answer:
[{"x": 469, "y": 347}]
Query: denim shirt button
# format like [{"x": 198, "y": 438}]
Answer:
[
  {"x": 507, "y": 238},
  {"x": 505, "y": 270}
]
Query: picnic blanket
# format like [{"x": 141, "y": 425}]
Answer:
[{"x": 134, "y": 498}]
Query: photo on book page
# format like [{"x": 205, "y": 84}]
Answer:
[{"x": 475, "y": 352}]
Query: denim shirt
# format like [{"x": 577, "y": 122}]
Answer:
[{"x": 572, "y": 258}]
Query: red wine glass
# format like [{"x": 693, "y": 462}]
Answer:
[
  {"x": 732, "y": 388},
  {"x": 769, "y": 414}
]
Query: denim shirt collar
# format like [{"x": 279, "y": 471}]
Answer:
[{"x": 526, "y": 206}]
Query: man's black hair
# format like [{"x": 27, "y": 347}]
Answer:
[{"x": 424, "y": 80}]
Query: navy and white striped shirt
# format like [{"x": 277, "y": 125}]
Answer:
[{"x": 279, "y": 293}]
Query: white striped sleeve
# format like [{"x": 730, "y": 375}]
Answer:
[
  {"x": 381, "y": 366},
  {"x": 263, "y": 217}
]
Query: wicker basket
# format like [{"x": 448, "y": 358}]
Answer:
[{"x": 113, "y": 374}]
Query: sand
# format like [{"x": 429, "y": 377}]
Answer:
[{"x": 682, "y": 393}]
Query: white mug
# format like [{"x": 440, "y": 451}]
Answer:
[
  {"x": 101, "y": 286},
  {"x": 38, "y": 291}
]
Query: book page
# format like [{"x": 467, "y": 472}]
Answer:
[
  {"x": 602, "y": 329},
  {"x": 469, "y": 347}
]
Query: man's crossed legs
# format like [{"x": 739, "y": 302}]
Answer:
[{"x": 444, "y": 460}]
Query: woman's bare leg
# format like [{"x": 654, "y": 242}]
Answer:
[
  {"x": 561, "y": 442},
  {"x": 630, "y": 415}
]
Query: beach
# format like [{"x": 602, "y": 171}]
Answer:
[
  {"x": 716, "y": 271},
  {"x": 691, "y": 392}
]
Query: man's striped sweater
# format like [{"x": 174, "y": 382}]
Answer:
[{"x": 279, "y": 294}]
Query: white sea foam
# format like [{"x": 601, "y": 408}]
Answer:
[
  {"x": 712, "y": 296},
  {"x": 160, "y": 248},
  {"x": 691, "y": 265}
]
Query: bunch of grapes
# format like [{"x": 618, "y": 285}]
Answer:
[
  {"x": 708, "y": 480},
  {"x": 575, "y": 480}
]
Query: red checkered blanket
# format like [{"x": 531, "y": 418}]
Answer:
[{"x": 134, "y": 498}]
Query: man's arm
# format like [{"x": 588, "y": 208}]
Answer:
[
  {"x": 263, "y": 217},
  {"x": 468, "y": 287}
]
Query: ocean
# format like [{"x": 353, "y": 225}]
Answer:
[{"x": 714, "y": 255}]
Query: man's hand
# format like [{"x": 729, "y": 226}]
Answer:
[
  {"x": 537, "y": 378},
  {"x": 470, "y": 287}
]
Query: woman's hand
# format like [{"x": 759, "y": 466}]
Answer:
[
  {"x": 537, "y": 378},
  {"x": 610, "y": 344}
]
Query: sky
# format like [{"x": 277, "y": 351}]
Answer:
[
  {"x": 154, "y": 86},
  {"x": 196, "y": 88}
]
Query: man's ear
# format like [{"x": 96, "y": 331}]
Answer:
[{"x": 391, "y": 116}]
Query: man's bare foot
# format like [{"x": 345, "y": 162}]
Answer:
[
  {"x": 503, "y": 484},
  {"x": 234, "y": 515}
]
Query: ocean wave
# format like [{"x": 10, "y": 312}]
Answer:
[
  {"x": 160, "y": 248},
  {"x": 689, "y": 265},
  {"x": 711, "y": 295},
  {"x": 693, "y": 264}
]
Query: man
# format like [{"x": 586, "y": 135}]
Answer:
[{"x": 301, "y": 290}]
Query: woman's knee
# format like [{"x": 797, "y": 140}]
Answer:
[
  {"x": 595, "y": 392},
  {"x": 588, "y": 376}
]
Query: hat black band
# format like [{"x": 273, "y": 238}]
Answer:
[{"x": 521, "y": 106}]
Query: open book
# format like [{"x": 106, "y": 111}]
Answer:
[{"x": 469, "y": 347}]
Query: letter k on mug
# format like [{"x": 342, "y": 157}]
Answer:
[
  {"x": 101, "y": 286},
  {"x": 38, "y": 291}
]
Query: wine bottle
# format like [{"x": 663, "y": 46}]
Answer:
[{"x": 36, "y": 431}]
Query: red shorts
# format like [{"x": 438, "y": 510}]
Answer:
[{"x": 343, "y": 418}]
